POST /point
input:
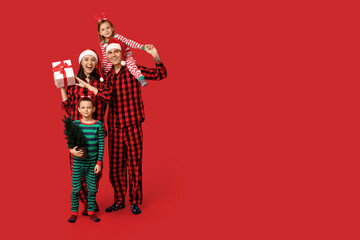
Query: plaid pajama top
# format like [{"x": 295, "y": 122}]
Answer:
[
  {"x": 123, "y": 92},
  {"x": 74, "y": 94}
]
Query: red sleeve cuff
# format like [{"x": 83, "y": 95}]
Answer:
[{"x": 99, "y": 163}]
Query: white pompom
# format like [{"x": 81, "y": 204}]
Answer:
[
  {"x": 101, "y": 79},
  {"x": 123, "y": 63}
]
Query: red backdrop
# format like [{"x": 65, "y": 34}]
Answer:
[{"x": 253, "y": 135}]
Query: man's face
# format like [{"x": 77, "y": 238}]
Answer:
[{"x": 114, "y": 55}]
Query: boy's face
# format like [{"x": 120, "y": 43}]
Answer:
[
  {"x": 106, "y": 30},
  {"x": 86, "y": 108}
]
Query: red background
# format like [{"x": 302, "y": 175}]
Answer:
[{"x": 253, "y": 135}]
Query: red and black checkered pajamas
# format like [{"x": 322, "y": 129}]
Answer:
[
  {"x": 126, "y": 113},
  {"x": 74, "y": 94}
]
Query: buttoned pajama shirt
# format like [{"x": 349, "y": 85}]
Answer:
[{"x": 126, "y": 113}]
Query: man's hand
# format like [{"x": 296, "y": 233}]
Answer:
[
  {"x": 153, "y": 52},
  {"x": 76, "y": 153},
  {"x": 97, "y": 169}
]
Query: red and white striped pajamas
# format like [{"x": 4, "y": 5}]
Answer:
[
  {"x": 130, "y": 61},
  {"x": 126, "y": 113}
]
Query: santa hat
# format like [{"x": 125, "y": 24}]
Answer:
[
  {"x": 116, "y": 44},
  {"x": 92, "y": 53}
]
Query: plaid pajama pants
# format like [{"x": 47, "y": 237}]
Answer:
[
  {"x": 83, "y": 191},
  {"x": 125, "y": 162}
]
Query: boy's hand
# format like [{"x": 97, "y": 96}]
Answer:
[
  {"x": 76, "y": 153},
  {"x": 97, "y": 169}
]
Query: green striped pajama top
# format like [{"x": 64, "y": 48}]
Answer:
[{"x": 94, "y": 133}]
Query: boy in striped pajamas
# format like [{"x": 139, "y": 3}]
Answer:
[{"x": 90, "y": 166}]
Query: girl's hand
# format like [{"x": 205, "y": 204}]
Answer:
[
  {"x": 76, "y": 153},
  {"x": 97, "y": 169}
]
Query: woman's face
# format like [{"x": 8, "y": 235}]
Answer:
[
  {"x": 106, "y": 30},
  {"x": 88, "y": 63}
]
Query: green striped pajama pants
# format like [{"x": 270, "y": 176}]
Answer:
[{"x": 83, "y": 168}]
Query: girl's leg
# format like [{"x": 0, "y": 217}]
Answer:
[{"x": 134, "y": 70}]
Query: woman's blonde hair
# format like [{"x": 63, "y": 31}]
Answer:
[{"x": 101, "y": 38}]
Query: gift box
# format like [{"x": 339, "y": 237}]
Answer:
[{"x": 63, "y": 73}]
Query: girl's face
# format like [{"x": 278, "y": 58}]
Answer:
[
  {"x": 106, "y": 30},
  {"x": 88, "y": 63}
]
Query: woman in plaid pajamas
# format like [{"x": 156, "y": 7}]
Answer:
[
  {"x": 125, "y": 117},
  {"x": 91, "y": 72}
]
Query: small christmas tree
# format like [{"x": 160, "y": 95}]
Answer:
[{"x": 75, "y": 136}]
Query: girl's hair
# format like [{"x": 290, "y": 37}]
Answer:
[
  {"x": 93, "y": 75},
  {"x": 101, "y": 38}
]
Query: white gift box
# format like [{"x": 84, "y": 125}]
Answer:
[{"x": 63, "y": 73}]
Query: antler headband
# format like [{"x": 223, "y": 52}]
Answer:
[{"x": 104, "y": 17}]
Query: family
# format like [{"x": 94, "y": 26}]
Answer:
[{"x": 115, "y": 84}]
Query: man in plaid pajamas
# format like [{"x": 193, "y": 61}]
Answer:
[{"x": 126, "y": 113}]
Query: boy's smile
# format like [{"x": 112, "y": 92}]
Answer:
[{"x": 86, "y": 109}]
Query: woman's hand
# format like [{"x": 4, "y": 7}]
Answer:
[
  {"x": 84, "y": 84},
  {"x": 81, "y": 83},
  {"x": 76, "y": 153},
  {"x": 97, "y": 169}
]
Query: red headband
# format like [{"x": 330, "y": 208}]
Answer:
[
  {"x": 104, "y": 17},
  {"x": 90, "y": 96}
]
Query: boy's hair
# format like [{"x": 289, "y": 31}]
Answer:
[
  {"x": 101, "y": 38},
  {"x": 85, "y": 99}
]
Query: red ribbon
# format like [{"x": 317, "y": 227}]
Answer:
[{"x": 61, "y": 68}]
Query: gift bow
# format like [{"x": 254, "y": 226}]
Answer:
[
  {"x": 61, "y": 68},
  {"x": 104, "y": 17}
]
